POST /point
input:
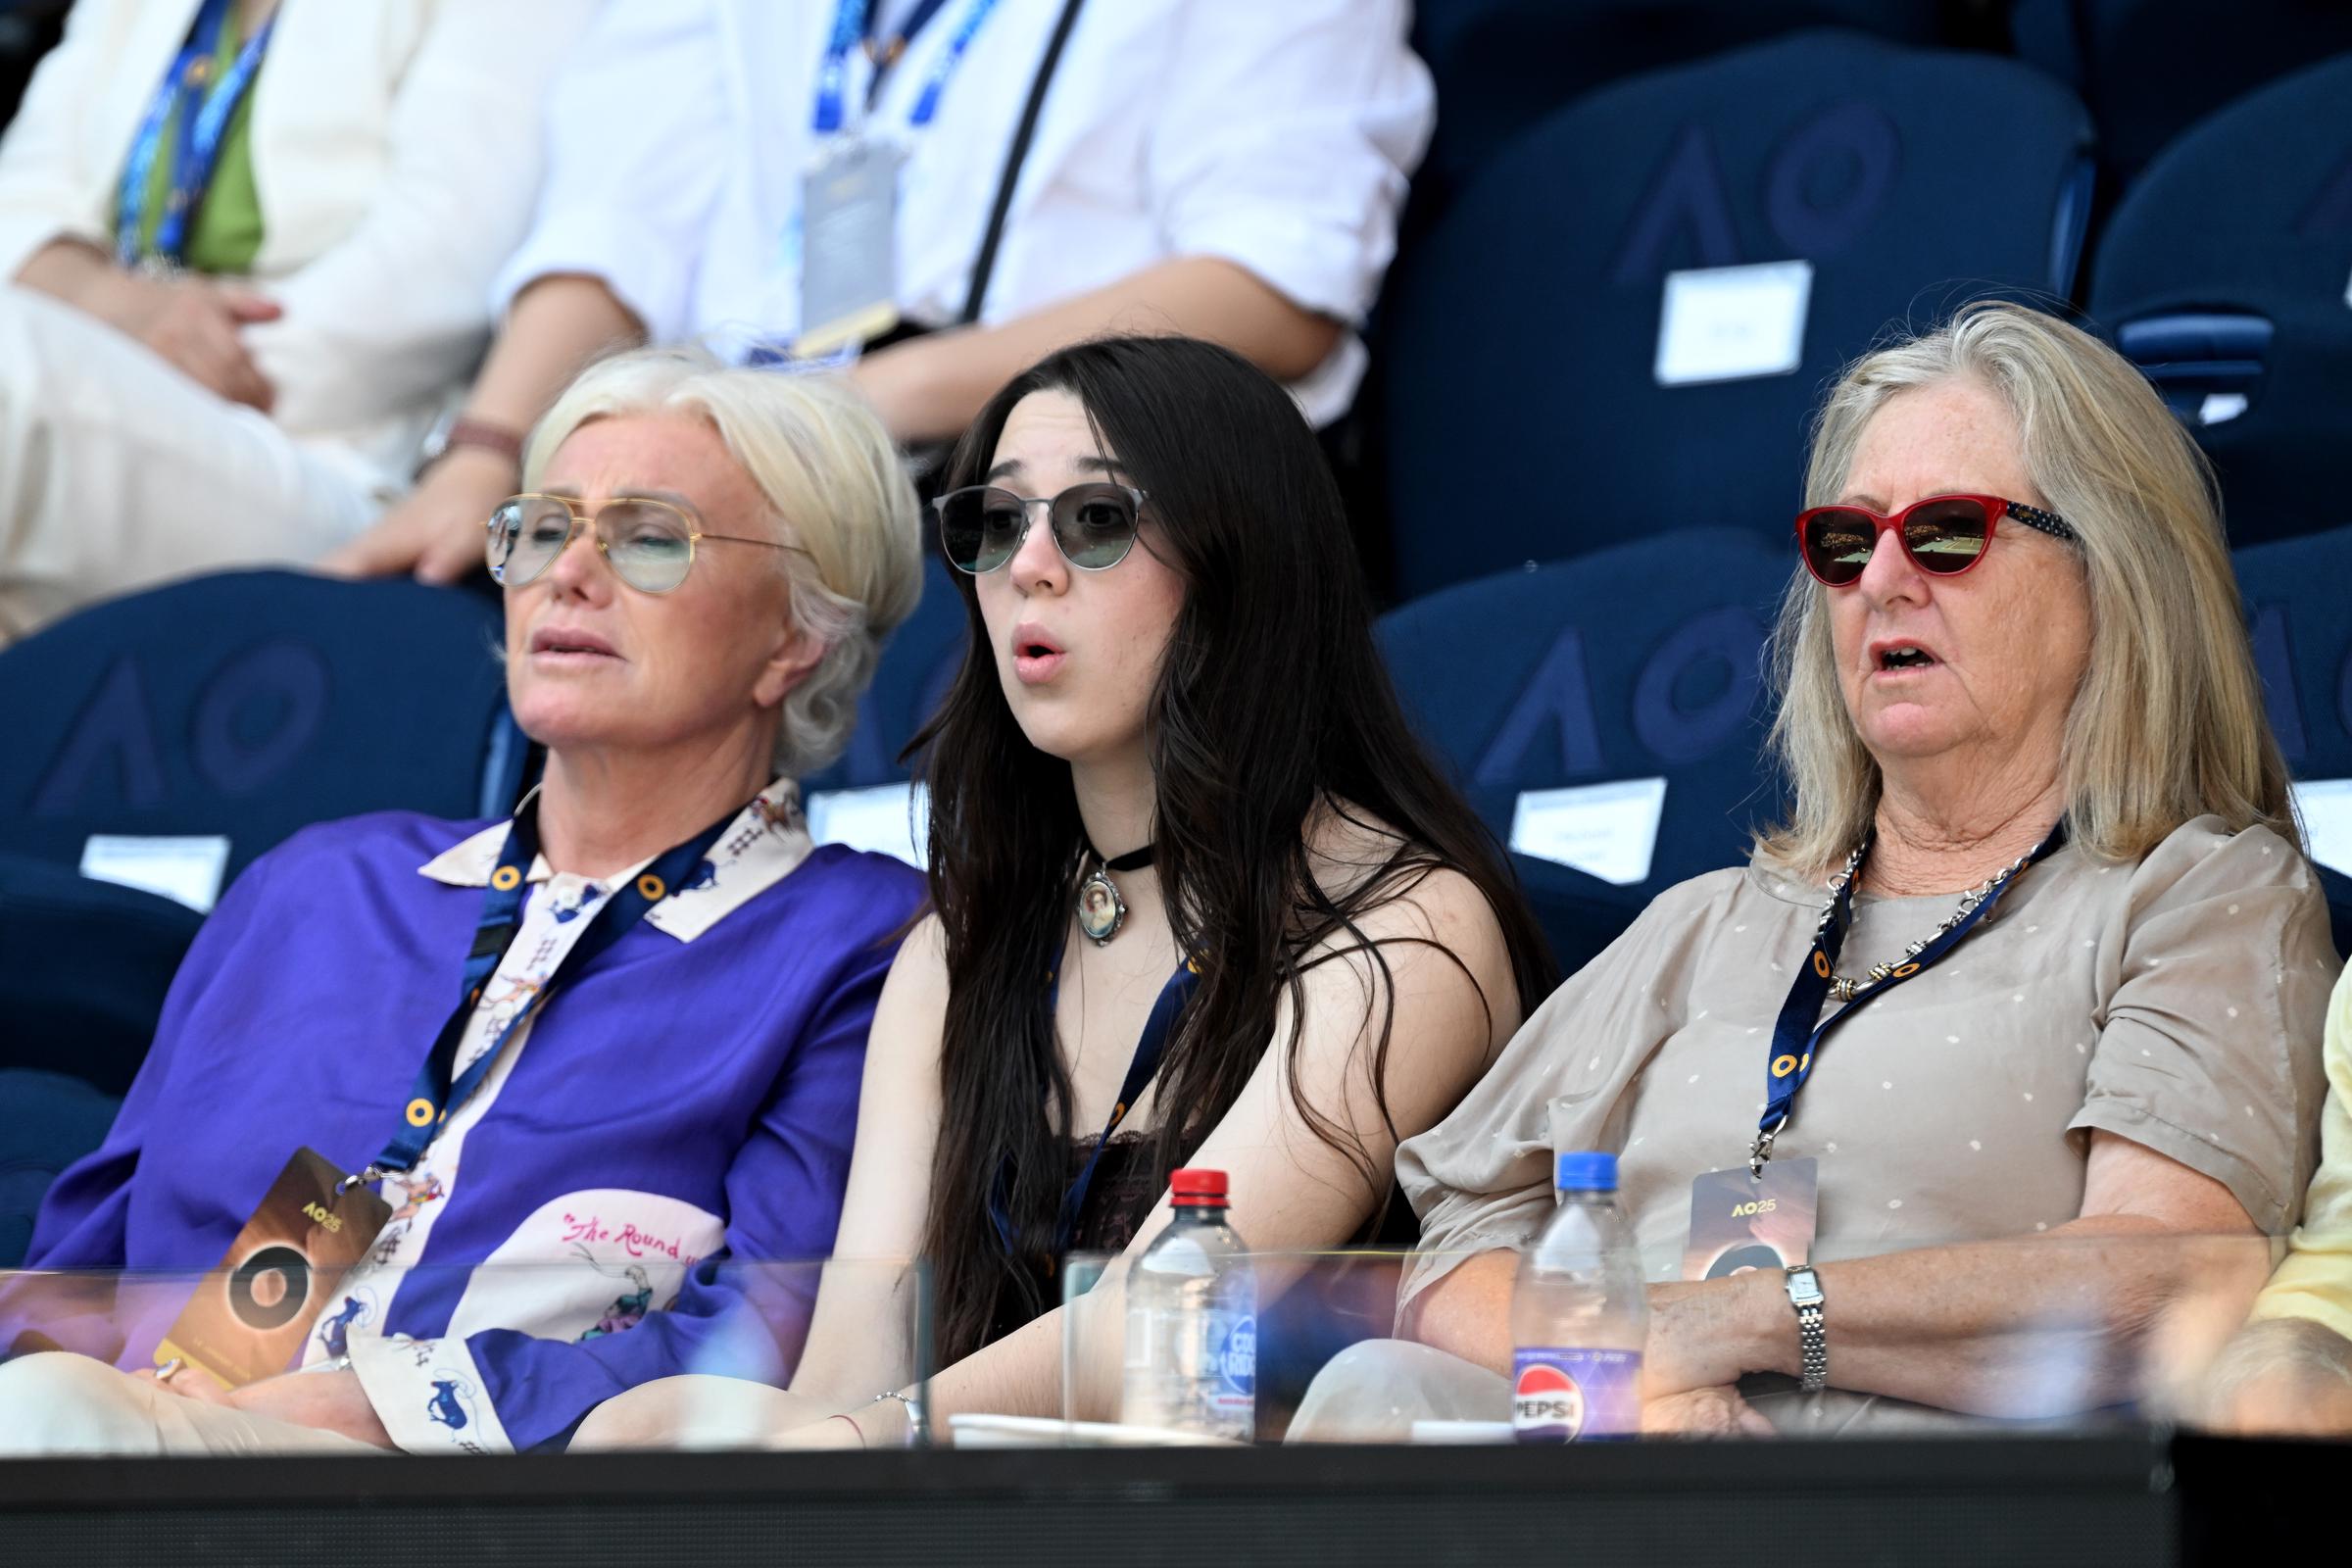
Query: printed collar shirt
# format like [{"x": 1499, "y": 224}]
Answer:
[
  {"x": 591, "y": 1218},
  {"x": 1276, "y": 137}
]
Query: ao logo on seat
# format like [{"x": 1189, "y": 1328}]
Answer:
[
  {"x": 250, "y": 718},
  {"x": 1822, "y": 187},
  {"x": 1720, "y": 643},
  {"x": 2291, "y": 715}
]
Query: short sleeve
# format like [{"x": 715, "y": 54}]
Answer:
[
  {"x": 1282, "y": 140},
  {"x": 2314, "y": 1281},
  {"x": 1481, "y": 1179},
  {"x": 2209, "y": 1049},
  {"x": 638, "y": 128}
]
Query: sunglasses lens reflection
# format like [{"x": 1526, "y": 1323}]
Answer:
[
  {"x": 1095, "y": 524},
  {"x": 1837, "y": 543},
  {"x": 1946, "y": 537},
  {"x": 980, "y": 527},
  {"x": 527, "y": 535}
]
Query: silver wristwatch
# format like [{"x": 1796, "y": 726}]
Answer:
[{"x": 1804, "y": 1295}]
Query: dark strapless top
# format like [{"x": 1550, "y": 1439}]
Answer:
[{"x": 1125, "y": 1190}]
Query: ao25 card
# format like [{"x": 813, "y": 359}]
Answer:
[
  {"x": 248, "y": 1317},
  {"x": 1739, "y": 1222}
]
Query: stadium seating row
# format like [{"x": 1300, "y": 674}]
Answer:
[
  {"x": 1625, "y": 320},
  {"x": 2145, "y": 69}
]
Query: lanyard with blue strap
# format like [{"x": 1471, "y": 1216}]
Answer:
[
  {"x": 1800, "y": 1030},
  {"x": 200, "y": 107},
  {"x": 849, "y": 23},
  {"x": 1148, "y": 1051},
  {"x": 437, "y": 1094}
]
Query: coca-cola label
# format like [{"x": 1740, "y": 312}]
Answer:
[{"x": 1562, "y": 1396}]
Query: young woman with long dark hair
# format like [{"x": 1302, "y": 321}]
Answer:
[{"x": 1176, "y": 819}]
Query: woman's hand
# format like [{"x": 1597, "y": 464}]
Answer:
[
  {"x": 329, "y": 1401},
  {"x": 2285, "y": 1378},
  {"x": 1705, "y": 1334},
  {"x": 1716, "y": 1413},
  {"x": 195, "y": 324},
  {"x": 435, "y": 532},
  {"x": 191, "y": 322},
  {"x": 325, "y": 1402}
]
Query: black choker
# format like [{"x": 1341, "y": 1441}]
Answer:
[{"x": 1101, "y": 909}]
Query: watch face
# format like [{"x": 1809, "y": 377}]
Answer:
[{"x": 1805, "y": 1287}]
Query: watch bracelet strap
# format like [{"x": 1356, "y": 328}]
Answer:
[{"x": 1813, "y": 1341}]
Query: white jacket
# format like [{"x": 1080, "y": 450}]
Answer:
[{"x": 396, "y": 151}]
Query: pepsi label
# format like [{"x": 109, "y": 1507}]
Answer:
[{"x": 1562, "y": 1396}]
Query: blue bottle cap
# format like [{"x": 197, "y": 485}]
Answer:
[{"x": 1586, "y": 1171}]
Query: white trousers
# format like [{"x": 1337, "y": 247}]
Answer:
[
  {"x": 118, "y": 472},
  {"x": 60, "y": 1404}
]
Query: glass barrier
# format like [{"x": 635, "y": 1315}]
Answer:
[
  {"x": 274, "y": 1356},
  {"x": 2051, "y": 1334}
]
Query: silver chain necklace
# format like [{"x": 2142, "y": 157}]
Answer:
[{"x": 1844, "y": 988}]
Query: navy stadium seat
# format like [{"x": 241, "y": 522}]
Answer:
[
  {"x": 916, "y": 665},
  {"x": 53, "y": 1119},
  {"x": 2295, "y": 597},
  {"x": 2224, "y": 274},
  {"x": 83, "y": 969},
  {"x": 2150, "y": 68},
  {"x": 1522, "y": 415},
  {"x": 1502, "y": 64},
  {"x": 244, "y": 706},
  {"x": 1641, "y": 662},
  {"x": 249, "y": 705}
]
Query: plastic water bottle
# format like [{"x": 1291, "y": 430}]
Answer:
[
  {"x": 1579, "y": 1315},
  {"x": 1192, "y": 1321}
]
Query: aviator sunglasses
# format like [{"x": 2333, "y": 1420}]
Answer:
[
  {"x": 982, "y": 525},
  {"x": 650, "y": 543},
  {"x": 1943, "y": 535}
]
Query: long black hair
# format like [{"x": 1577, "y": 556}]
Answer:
[{"x": 1271, "y": 701}]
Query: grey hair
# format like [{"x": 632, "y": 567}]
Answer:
[
  {"x": 836, "y": 486},
  {"x": 2167, "y": 723}
]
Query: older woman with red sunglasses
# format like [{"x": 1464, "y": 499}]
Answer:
[{"x": 2010, "y": 1033}]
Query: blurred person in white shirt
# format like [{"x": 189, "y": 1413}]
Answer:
[
  {"x": 246, "y": 250},
  {"x": 1225, "y": 169}
]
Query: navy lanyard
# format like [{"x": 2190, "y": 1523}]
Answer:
[
  {"x": 1148, "y": 1051},
  {"x": 1800, "y": 1030},
  {"x": 437, "y": 1094},
  {"x": 849, "y": 30},
  {"x": 200, "y": 109}
]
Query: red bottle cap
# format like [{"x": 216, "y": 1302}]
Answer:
[{"x": 1197, "y": 1189}]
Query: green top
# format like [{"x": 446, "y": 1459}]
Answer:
[{"x": 226, "y": 234}]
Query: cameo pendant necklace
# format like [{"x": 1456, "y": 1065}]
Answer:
[{"x": 1101, "y": 909}]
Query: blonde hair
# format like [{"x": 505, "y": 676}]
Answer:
[
  {"x": 2167, "y": 723},
  {"x": 835, "y": 485}
]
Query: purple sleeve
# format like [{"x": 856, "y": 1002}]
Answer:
[
  {"x": 733, "y": 1317},
  {"x": 83, "y": 1224}
]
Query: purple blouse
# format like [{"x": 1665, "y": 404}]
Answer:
[{"x": 689, "y": 1099}]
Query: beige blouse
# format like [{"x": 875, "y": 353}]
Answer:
[{"x": 2177, "y": 1002}]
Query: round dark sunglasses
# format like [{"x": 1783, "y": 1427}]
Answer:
[
  {"x": 981, "y": 526},
  {"x": 1943, "y": 535}
]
